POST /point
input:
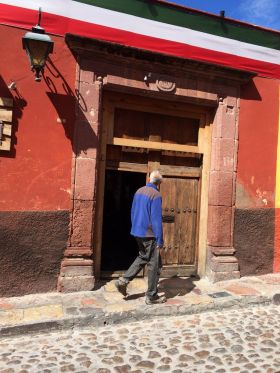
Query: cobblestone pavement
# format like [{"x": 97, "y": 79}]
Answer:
[
  {"x": 106, "y": 305},
  {"x": 235, "y": 340}
]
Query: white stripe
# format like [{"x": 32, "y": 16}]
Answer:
[
  {"x": 59, "y": 7},
  {"x": 142, "y": 26}
]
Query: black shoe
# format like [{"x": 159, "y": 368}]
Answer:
[
  {"x": 156, "y": 299},
  {"x": 121, "y": 287}
]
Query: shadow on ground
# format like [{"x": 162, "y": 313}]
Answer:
[
  {"x": 177, "y": 286},
  {"x": 171, "y": 287}
]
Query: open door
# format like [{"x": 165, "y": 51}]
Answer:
[
  {"x": 179, "y": 211},
  {"x": 119, "y": 248}
]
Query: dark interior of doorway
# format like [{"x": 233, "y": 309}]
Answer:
[{"x": 119, "y": 248}]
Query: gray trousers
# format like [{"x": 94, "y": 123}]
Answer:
[{"x": 150, "y": 255}]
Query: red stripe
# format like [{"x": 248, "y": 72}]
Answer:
[
  {"x": 26, "y": 18},
  {"x": 60, "y": 25}
]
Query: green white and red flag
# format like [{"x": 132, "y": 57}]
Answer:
[{"x": 157, "y": 26}]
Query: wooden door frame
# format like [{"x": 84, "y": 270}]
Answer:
[{"x": 111, "y": 101}]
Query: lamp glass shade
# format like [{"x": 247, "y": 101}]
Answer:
[{"x": 38, "y": 47}]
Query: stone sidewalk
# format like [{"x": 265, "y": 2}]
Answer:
[{"x": 104, "y": 305}]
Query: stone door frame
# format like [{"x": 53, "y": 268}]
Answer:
[{"x": 103, "y": 66}]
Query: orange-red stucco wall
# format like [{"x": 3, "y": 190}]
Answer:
[
  {"x": 257, "y": 152},
  {"x": 256, "y": 237},
  {"x": 36, "y": 173}
]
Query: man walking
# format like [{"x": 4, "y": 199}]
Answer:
[{"x": 146, "y": 219}]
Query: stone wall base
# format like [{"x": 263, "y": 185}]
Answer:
[
  {"x": 223, "y": 264},
  {"x": 222, "y": 276},
  {"x": 75, "y": 283},
  {"x": 76, "y": 274}
]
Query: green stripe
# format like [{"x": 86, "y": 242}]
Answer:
[{"x": 184, "y": 18}]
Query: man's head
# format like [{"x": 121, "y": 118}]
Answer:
[{"x": 155, "y": 177}]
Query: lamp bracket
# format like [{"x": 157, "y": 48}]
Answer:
[
  {"x": 38, "y": 29},
  {"x": 39, "y": 16}
]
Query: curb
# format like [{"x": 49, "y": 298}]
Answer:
[{"x": 101, "y": 319}]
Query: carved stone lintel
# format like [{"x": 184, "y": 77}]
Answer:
[{"x": 165, "y": 85}]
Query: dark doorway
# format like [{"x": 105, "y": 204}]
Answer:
[{"x": 119, "y": 248}]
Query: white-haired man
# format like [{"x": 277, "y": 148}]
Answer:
[{"x": 146, "y": 220}]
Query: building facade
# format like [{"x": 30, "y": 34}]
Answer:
[{"x": 108, "y": 111}]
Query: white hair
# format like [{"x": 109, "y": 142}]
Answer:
[{"x": 155, "y": 177}]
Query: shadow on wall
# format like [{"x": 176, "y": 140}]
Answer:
[
  {"x": 249, "y": 91},
  {"x": 30, "y": 256},
  {"x": 18, "y": 105},
  {"x": 69, "y": 106}
]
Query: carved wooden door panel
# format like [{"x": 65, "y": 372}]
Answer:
[{"x": 179, "y": 210}]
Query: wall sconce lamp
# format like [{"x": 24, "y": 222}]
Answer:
[{"x": 38, "y": 46}]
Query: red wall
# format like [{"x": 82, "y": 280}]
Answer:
[
  {"x": 36, "y": 174},
  {"x": 258, "y": 131}
]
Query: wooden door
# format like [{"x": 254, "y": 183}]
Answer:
[{"x": 179, "y": 211}]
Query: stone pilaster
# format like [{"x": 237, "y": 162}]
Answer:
[
  {"x": 76, "y": 272},
  {"x": 221, "y": 261}
]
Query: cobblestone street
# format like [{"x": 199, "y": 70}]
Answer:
[{"x": 233, "y": 340}]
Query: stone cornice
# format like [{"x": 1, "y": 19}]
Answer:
[{"x": 119, "y": 54}]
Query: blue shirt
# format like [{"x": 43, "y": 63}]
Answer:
[{"x": 146, "y": 213}]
